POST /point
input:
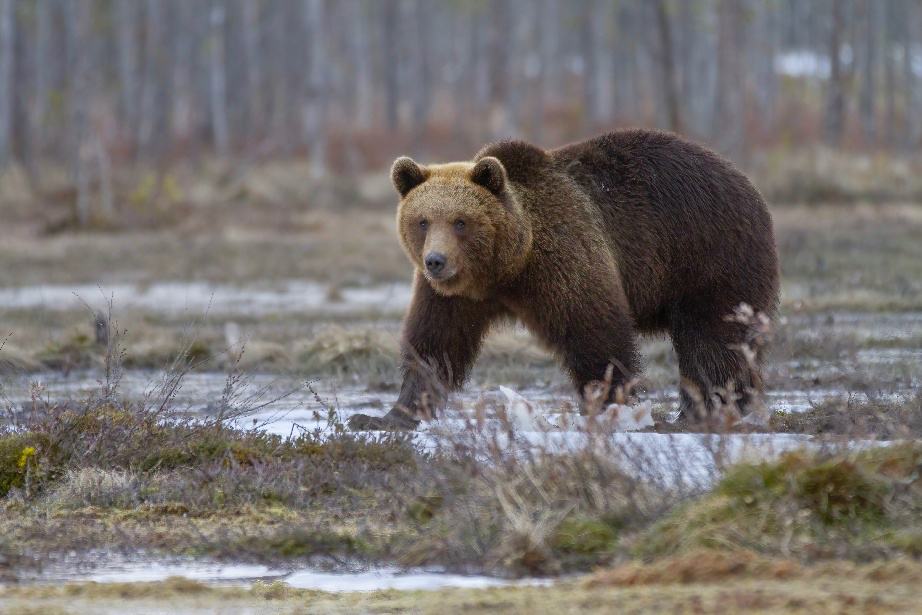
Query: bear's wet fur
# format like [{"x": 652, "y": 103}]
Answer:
[{"x": 588, "y": 245}]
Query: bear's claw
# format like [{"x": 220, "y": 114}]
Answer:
[{"x": 392, "y": 421}]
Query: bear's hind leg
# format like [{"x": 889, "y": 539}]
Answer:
[{"x": 714, "y": 370}]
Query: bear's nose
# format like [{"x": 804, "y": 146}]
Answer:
[{"x": 435, "y": 262}]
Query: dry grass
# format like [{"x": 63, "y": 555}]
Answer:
[
  {"x": 115, "y": 473},
  {"x": 823, "y": 175},
  {"x": 856, "y": 418},
  {"x": 698, "y": 566},
  {"x": 112, "y": 474}
]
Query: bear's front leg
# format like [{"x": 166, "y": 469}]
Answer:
[
  {"x": 441, "y": 339},
  {"x": 592, "y": 347},
  {"x": 591, "y": 330}
]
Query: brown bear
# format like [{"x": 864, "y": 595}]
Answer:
[{"x": 635, "y": 231}]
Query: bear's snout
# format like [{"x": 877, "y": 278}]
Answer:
[{"x": 435, "y": 263}]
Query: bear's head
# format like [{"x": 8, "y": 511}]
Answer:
[{"x": 461, "y": 224}]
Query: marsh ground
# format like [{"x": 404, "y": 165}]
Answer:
[
  {"x": 842, "y": 589},
  {"x": 315, "y": 295}
]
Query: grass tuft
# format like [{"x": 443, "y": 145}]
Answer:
[{"x": 844, "y": 504}]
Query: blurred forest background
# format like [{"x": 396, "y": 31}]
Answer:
[{"x": 91, "y": 86}]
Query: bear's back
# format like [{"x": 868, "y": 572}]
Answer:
[{"x": 682, "y": 220}]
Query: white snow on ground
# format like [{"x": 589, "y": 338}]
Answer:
[
  {"x": 391, "y": 578},
  {"x": 145, "y": 572},
  {"x": 240, "y": 574}
]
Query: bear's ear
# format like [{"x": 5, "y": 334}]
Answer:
[
  {"x": 489, "y": 173},
  {"x": 406, "y": 175}
]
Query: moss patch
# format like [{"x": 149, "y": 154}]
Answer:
[{"x": 819, "y": 506}]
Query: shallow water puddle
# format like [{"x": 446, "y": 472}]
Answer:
[
  {"x": 284, "y": 406},
  {"x": 287, "y": 407},
  {"x": 391, "y": 578},
  {"x": 241, "y": 574},
  {"x": 391, "y": 299},
  {"x": 859, "y": 325},
  {"x": 199, "y": 297},
  {"x": 152, "y": 571}
]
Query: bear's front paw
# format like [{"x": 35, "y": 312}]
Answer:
[{"x": 392, "y": 421}]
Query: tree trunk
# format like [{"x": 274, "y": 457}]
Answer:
[
  {"x": 39, "y": 111},
  {"x": 7, "y": 91},
  {"x": 835, "y": 96},
  {"x": 587, "y": 32},
  {"x": 149, "y": 103},
  {"x": 315, "y": 105},
  {"x": 220, "y": 130},
  {"x": 667, "y": 62},
  {"x": 542, "y": 39},
  {"x": 104, "y": 173},
  {"x": 550, "y": 53},
  {"x": 181, "y": 79},
  {"x": 501, "y": 42},
  {"x": 728, "y": 121},
  {"x": 868, "y": 98},
  {"x": 391, "y": 82},
  {"x": 887, "y": 49},
  {"x": 422, "y": 81},
  {"x": 510, "y": 120},
  {"x": 361, "y": 60},
  {"x": 913, "y": 91},
  {"x": 126, "y": 15},
  {"x": 81, "y": 87},
  {"x": 250, "y": 24}
]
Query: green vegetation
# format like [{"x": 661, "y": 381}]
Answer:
[
  {"x": 18, "y": 461},
  {"x": 855, "y": 505}
]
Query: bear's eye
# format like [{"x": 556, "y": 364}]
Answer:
[
  {"x": 424, "y": 224},
  {"x": 459, "y": 225}
]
